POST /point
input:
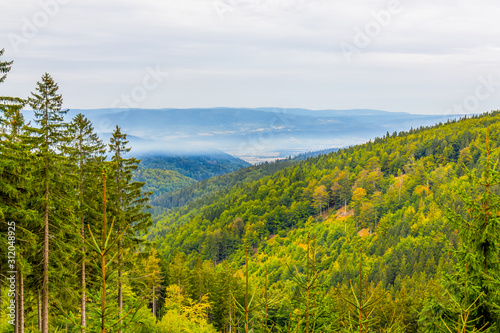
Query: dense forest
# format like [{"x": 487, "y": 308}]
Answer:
[
  {"x": 194, "y": 165},
  {"x": 400, "y": 234},
  {"x": 396, "y": 202},
  {"x": 160, "y": 181}
]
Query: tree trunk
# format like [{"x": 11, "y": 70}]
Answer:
[
  {"x": 103, "y": 292},
  {"x": 120, "y": 287},
  {"x": 45, "y": 293},
  {"x": 103, "y": 263},
  {"x": 360, "y": 307},
  {"x": 154, "y": 302},
  {"x": 39, "y": 310},
  {"x": 82, "y": 222},
  {"x": 120, "y": 294},
  {"x": 83, "y": 279}
]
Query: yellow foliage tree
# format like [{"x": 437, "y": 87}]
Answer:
[
  {"x": 320, "y": 197},
  {"x": 358, "y": 197}
]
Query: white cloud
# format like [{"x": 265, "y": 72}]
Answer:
[{"x": 258, "y": 52}]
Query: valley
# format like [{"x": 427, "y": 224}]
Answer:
[{"x": 254, "y": 135}]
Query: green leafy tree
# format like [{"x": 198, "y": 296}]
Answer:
[
  {"x": 342, "y": 188},
  {"x": 152, "y": 277},
  {"x": 320, "y": 197},
  {"x": 184, "y": 314},
  {"x": 358, "y": 197}
]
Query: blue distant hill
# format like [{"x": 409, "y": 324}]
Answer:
[{"x": 253, "y": 134}]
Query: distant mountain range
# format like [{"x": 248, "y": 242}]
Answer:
[{"x": 255, "y": 135}]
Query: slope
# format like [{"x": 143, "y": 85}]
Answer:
[
  {"x": 205, "y": 188},
  {"x": 197, "y": 166},
  {"x": 396, "y": 186},
  {"x": 387, "y": 199},
  {"x": 160, "y": 181}
]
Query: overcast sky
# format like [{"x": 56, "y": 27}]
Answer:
[{"x": 422, "y": 56}]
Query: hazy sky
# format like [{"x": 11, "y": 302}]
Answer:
[{"x": 422, "y": 56}]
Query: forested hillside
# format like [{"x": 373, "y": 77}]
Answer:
[
  {"x": 197, "y": 166},
  {"x": 161, "y": 181},
  {"x": 212, "y": 185},
  {"x": 167, "y": 172},
  {"x": 390, "y": 198}
]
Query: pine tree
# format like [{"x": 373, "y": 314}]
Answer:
[
  {"x": 14, "y": 194},
  {"x": 106, "y": 316},
  {"x": 49, "y": 140},
  {"x": 128, "y": 202},
  {"x": 11, "y": 126},
  {"x": 87, "y": 152},
  {"x": 309, "y": 299},
  {"x": 478, "y": 252},
  {"x": 5, "y": 67},
  {"x": 14, "y": 188}
]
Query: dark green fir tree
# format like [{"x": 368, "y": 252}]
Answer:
[
  {"x": 87, "y": 153},
  {"x": 128, "y": 204},
  {"x": 475, "y": 284},
  {"x": 55, "y": 200}
]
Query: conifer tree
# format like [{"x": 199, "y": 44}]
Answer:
[
  {"x": 49, "y": 140},
  {"x": 14, "y": 198},
  {"x": 11, "y": 126},
  {"x": 478, "y": 252},
  {"x": 14, "y": 188},
  {"x": 309, "y": 298},
  {"x": 128, "y": 202},
  {"x": 106, "y": 316},
  {"x": 87, "y": 152},
  {"x": 5, "y": 67}
]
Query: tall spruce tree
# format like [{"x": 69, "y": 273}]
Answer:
[
  {"x": 87, "y": 152},
  {"x": 14, "y": 193},
  {"x": 11, "y": 127},
  {"x": 14, "y": 189},
  {"x": 10, "y": 124},
  {"x": 50, "y": 138},
  {"x": 128, "y": 203}
]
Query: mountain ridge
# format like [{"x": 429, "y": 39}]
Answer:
[{"x": 254, "y": 134}]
